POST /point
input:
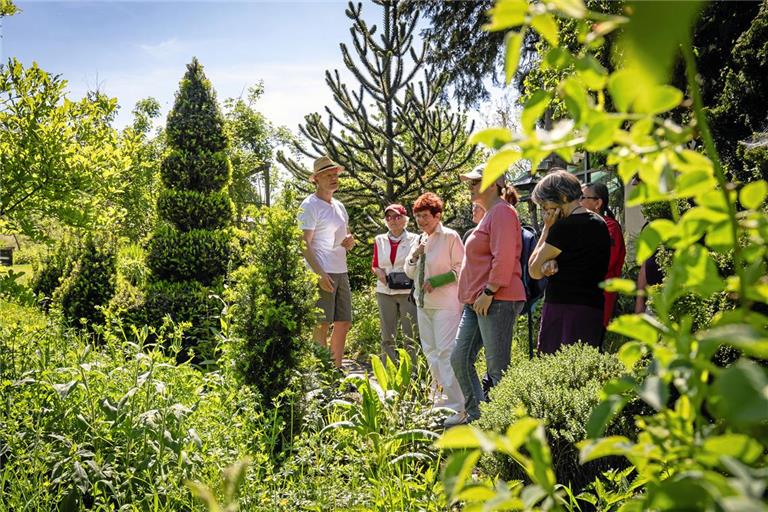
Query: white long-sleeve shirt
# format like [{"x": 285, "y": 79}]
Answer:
[{"x": 444, "y": 253}]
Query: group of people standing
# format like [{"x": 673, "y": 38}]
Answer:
[{"x": 458, "y": 296}]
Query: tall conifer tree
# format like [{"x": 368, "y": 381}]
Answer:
[
  {"x": 190, "y": 249},
  {"x": 393, "y": 135}
]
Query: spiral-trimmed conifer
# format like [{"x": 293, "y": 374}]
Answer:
[{"x": 190, "y": 248}]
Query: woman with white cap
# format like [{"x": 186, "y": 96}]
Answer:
[{"x": 393, "y": 286}]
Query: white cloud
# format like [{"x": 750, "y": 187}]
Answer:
[{"x": 164, "y": 49}]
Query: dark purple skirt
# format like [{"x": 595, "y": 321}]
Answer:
[{"x": 563, "y": 324}]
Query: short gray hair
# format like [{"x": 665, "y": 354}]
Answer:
[{"x": 558, "y": 186}]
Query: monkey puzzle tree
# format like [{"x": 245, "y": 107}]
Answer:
[
  {"x": 393, "y": 136},
  {"x": 190, "y": 249}
]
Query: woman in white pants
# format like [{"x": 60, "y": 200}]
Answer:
[{"x": 434, "y": 265}]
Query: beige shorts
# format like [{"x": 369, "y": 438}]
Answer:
[{"x": 336, "y": 305}]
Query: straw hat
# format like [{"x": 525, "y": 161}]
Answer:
[{"x": 322, "y": 164}]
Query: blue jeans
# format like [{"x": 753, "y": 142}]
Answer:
[{"x": 494, "y": 332}]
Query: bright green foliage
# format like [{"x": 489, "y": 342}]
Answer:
[
  {"x": 704, "y": 447},
  {"x": 90, "y": 284},
  {"x": 273, "y": 302},
  {"x": 118, "y": 426},
  {"x": 59, "y": 158},
  {"x": 56, "y": 265},
  {"x": 191, "y": 247},
  {"x": 7, "y": 8},
  {"x": 253, "y": 139},
  {"x": 140, "y": 179},
  {"x": 561, "y": 390}
]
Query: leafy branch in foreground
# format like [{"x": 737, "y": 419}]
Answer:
[{"x": 705, "y": 448}]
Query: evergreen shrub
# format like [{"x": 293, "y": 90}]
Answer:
[
  {"x": 560, "y": 389},
  {"x": 189, "y": 251},
  {"x": 204, "y": 171},
  {"x": 189, "y": 209},
  {"x": 200, "y": 254},
  {"x": 91, "y": 284},
  {"x": 55, "y": 265},
  {"x": 273, "y": 301}
]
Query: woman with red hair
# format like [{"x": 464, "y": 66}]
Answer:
[{"x": 434, "y": 263}]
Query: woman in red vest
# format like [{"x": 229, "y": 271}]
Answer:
[{"x": 594, "y": 197}]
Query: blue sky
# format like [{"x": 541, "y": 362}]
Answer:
[{"x": 132, "y": 50}]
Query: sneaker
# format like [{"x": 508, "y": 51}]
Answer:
[{"x": 459, "y": 418}]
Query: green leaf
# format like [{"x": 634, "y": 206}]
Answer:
[
  {"x": 602, "y": 415},
  {"x": 533, "y": 109},
  {"x": 651, "y": 237},
  {"x": 380, "y": 372},
  {"x": 465, "y": 436},
  {"x": 750, "y": 340},
  {"x": 635, "y": 327},
  {"x": 605, "y": 447},
  {"x": 517, "y": 434},
  {"x": 574, "y": 96},
  {"x": 689, "y": 161},
  {"x": 513, "y": 42},
  {"x": 657, "y": 99},
  {"x": 458, "y": 470},
  {"x": 622, "y": 85},
  {"x": 494, "y": 138},
  {"x": 753, "y": 194},
  {"x": 592, "y": 73},
  {"x": 497, "y": 165},
  {"x": 571, "y": 8},
  {"x": 546, "y": 26},
  {"x": 693, "y": 183},
  {"x": 630, "y": 353},
  {"x": 507, "y": 14},
  {"x": 652, "y": 39},
  {"x": 623, "y": 286},
  {"x": 694, "y": 270},
  {"x": 654, "y": 392},
  {"x": 741, "y": 394},
  {"x": 720, "y": 236},
  {"x": 600, "y": 135},
  {"x": 739, "y": 446},
  {"x": 557, "y": 58}
]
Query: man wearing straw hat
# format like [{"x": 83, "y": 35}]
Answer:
[{"x": 325, "y": 224}]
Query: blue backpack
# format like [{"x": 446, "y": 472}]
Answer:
[{"x": 534, "y": 288}]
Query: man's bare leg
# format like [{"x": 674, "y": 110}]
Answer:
[
  {"x": 320, "y": 334},
  {"x": 338, "y": 339}
]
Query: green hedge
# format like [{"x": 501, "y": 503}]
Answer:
[
  {"x": 561, "y": 389},
  {"x": 205, "y": 171},
  {"x": 180, "y": 256},
  {"x": 190, "y": 209},
  {"x": 91, "y": 284}
]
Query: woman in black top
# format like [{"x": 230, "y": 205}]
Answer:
[{"x": 573, "y": 251}]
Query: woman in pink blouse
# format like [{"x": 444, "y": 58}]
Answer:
[{"x": 491, "y": 291}]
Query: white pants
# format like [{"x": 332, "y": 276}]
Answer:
[{"x": 437, "y": 328}]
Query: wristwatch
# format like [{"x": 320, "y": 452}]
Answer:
[{"x": 489, "y": 292}]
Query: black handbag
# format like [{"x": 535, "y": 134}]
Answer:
[{"x": 399, "y": 281}]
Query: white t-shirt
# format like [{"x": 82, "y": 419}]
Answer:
[{"x": 329, "y": 222}]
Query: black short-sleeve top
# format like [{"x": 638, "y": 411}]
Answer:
[{"x": 586, "y": 246}]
